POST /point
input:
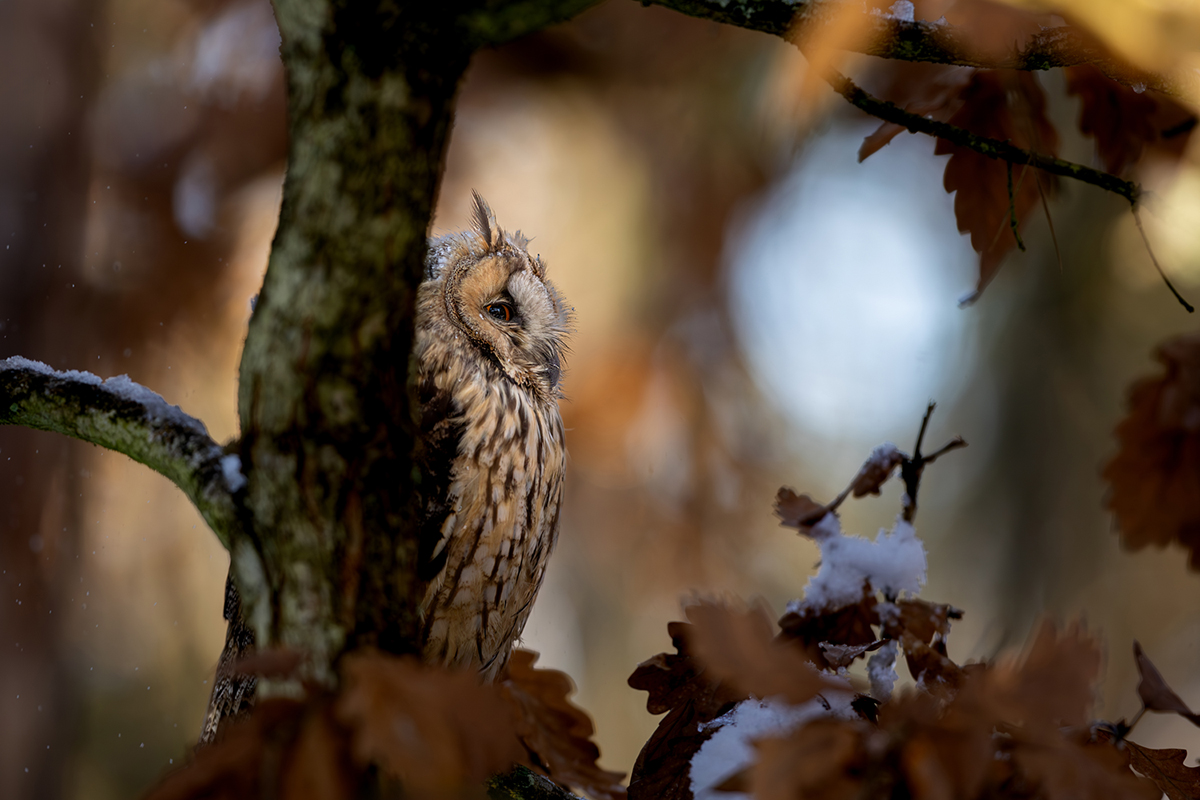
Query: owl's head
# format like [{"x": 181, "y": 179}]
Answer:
[{"x": 493, "y": 292}]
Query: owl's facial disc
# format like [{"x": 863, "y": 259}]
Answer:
[{"x": 514, "y": 316}]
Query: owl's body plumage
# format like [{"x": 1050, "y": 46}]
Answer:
[{"x": 489, "y": 340}]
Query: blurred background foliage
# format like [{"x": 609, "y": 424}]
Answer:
[{"x": 754, "y": 308}]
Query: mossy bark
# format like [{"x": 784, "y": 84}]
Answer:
[{"x": 325, "y": 400}]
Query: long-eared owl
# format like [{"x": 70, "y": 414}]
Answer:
[{"x": 490, "y": 338}]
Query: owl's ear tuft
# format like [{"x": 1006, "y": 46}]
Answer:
[{"x": 484, "y": 223}]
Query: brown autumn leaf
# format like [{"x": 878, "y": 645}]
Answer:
[
  {"x": 821, "y": 760},
  {"x": 1065, "y": 768},
  {"x": 842, "y": 655},
  {"x": 691, "y": 697},
  {"x": 318, "y": 765},
  {"x": 1116, "y": 116},
  {"x": 673, "y": 679},
  {"x": 849, "y": 625},
  {"x": 1166, "y": 769},
  {"x": 932, "y": 669},
  {"x": 1174, "y": 124},
  {"x": 439, "y": 732},
  {"x": 740, "y": 647},
  {"x": 1153, "y": 477},
  {"x": 555, "y": 731},
  {"x": 1155, "y": 693},
  {"x": 277, "y": 662},
  {"x": 930, "y": 90},
  {"x": 1008, "y": 106},
  {"x": 798, "y": 511},
  {"x": 876, "y": 470},
  {"x": 944, "y": 753},
  {"x": 996, "y": 29},
  {"x": 662, "y": 770},
  {"x": 243, "y": 761},
  {"x": 1052, "y": 684},
  {"x": 922, "y": 619}
]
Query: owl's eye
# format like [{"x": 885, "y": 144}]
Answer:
[{"x": 501, "y": 311}]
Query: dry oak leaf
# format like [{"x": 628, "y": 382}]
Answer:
[
  {"x": 1156, "y": 695},
  {"x": 1166, "y": 769},
  {"x": 284, "y": 748},
  {"x": 843, "y": 655},
  {"x": 995, "y": 30},
  {"x": 944, "y": 753},
  {"x": 739, "y": 647},
  {"x": 272, "y": 663},
  {"x": 681, "y": 687},
  {"x": 930, "y": 90},
  {"x": 441, "y": 733},
  {"x": 1114, "y": 114},
  {"x": 849, "y": 625},
  {"x": 931, "y": 668},
  {"x": 556, "y": 733},
  {"x": 1052, "y": 684},
  {"x": 1008, "y": 106},
  {"x": 1066, "y": 769},
  {"x": 798, "y": 511},
  {"x": 821, "y": 760},
  {"x": 673, "y": 679},
  {"x": 1155, "y": 474},
  {"x": 877, "y": 469},
  {"x": 922, "y": 619},
  {"x": 318, "y": 766}
]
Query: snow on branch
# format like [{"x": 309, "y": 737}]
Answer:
[{"x": 121, "y": 415}]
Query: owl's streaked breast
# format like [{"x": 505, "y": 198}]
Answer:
[
  {"x": 501, "y": 522},
  {"x": 494, "y": 453}
]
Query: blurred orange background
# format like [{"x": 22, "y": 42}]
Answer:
[{"x": 753, "y": 309}]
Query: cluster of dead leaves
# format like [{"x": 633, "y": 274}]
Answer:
[
  {"x": 1155, "y": 477},
  {"x": 993, "y": 200},
  {"x": 398, "y": 727},
  {"x": 1018, "y": 727}
]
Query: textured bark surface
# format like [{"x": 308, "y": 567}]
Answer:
[{"x": 325, "y": 405}]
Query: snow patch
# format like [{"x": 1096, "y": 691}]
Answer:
[
  {"x": 881, "y": 669},
  {"x": 903, "y": 10},
  {"x": 730, "y": 749},
  {"x": 893, "y": 563},
  {"x": 231, "y": 469},
  {"x": 17, "y": 362},
  {"x": 157, "y": 409},
  {"x": 883, "y": 456}
]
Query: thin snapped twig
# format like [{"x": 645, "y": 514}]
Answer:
[{"x": 1145, "y": 240}]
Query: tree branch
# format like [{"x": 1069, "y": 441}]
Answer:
[
  {"x": 992, "y": 148},
  {"x": 525, "y": 784},
  {"x": 886, "y": 36},
  {"x": 121, "y": 415}
]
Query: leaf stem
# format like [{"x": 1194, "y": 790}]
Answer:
[
  {"x": 1012, "y": 209},
  {"x": 1137, "y": 218}
]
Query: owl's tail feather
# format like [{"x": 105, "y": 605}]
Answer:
[{"x": 233, "y": 692}]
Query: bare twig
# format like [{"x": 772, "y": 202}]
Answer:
[
  {"x": 992, "y": 148},
  {"x": 1049, "y": 220},
  {"x": 121, "y": 415},
  {"x": 1146, "y": 240},
  {"x": 912, "y": 467},
  {"x": 1012, "y": 209}
]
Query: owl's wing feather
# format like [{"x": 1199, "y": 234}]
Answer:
[{"x": 441, "y": 431}]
